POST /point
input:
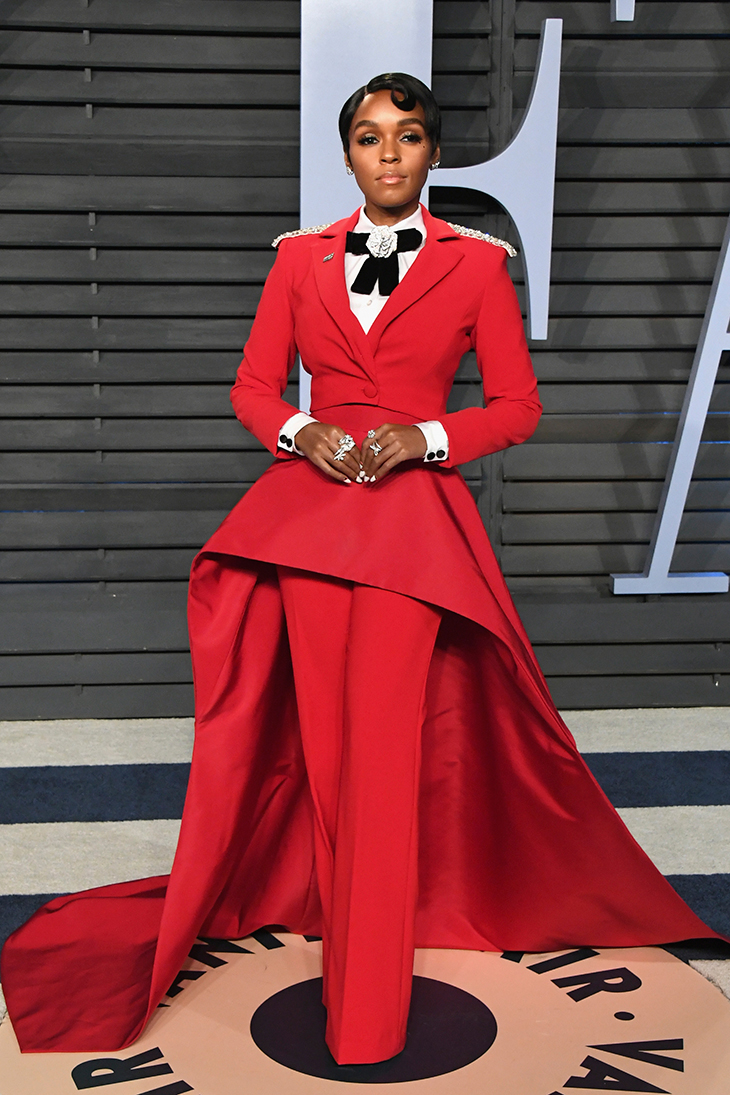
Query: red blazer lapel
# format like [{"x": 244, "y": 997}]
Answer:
[
  {"x": 433, "y": 263},
  {"x": 329, "y": 274}
]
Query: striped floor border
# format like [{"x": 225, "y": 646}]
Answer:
[{"x": 88, "y": 802}]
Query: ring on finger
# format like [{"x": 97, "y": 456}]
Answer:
[
  {"x": 346, "y": 443},
  {"x": 376, "y": 447}
]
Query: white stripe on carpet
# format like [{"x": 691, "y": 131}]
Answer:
[
  {"x": 95, "y": 741},
  {"x": 683, "y": 839},
  {"x": 650, "y": 729},
  {"x": 64, "y": 857},
  {"x": 59, "y": 857},
  {"x": 160, "y": 741}
]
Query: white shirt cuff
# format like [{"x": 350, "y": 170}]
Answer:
[
  {"x": 437, "y": 441},
  {"x": 291, "y": 428}
]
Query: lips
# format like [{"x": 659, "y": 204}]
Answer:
[{"x": 391, "y": 178}]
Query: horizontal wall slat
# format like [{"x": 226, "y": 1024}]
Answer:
[
  {"x": 167, "y": 528},
  {"x": 108, "y": 299},
  {"x": 97, "y": 701},
  {"x": 598, "y": 461},
  {"x": 602, "y": 528},
  {"x": 601, "y": 428},
  {"x": 609, "y": 497},
  {"x": 630, "y": 659},
  {"x": 99, "y": 565},
  {"x": 139, "y": 333},
  {"x": 86, "y": 617},
  {"x": 164, "y": 15},
  {"x": 623, "y": 398},
  {"x": 631, "y": 55},
  {"x": 112, "y": 433},
  {"x": 575, "y": 693},
  {"x": 150, "y": 497},
  {"x": 646, "y": 231},
  {"x": 609, "y": 558},
  {"x": 74, "y": 367},
  {"x": 18, "y": 670},
  {"x": 606, "y": 619},
  {"x": 149, "y": 194},
  {"x": 115, "y": 87},
  {"x": 158, "y": 122},
  {"x": 642, "y": 196},
  {"x": 119, "y": 265},
  {"x": 217, "y": 159},
  {"x": 640, "y": 125},
  {"x": 637, "y": 161},
  {"x": 157, "y": 230},
  {"x": 650, "y": 19},
  {"x": 119, "y": 50},
  {"x": 140, "y": 467}
]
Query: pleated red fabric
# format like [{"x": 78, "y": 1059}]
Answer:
[{"x": 519, "y": 849}]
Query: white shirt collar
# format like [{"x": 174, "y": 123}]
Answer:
[{"x": 415, "y": 220}]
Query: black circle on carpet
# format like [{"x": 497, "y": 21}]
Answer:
[{"x": 447, "y": 1029}]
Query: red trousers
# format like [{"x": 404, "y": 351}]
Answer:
[{"x": 361, "y": 658}]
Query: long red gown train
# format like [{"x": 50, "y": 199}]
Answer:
[{"x": 519, "y": 849}]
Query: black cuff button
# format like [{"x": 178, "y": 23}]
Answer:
[
  {"x": 441, "y": 454},
  {"x": 430, "y": 455}
]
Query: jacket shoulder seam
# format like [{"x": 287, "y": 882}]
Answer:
[
  {"x": 473, "y": 233},
  {"x": 300, "y": 232}
]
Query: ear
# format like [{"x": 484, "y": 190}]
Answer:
[{"x": 436, "y": 154}]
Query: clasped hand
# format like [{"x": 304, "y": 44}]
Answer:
[{"x": 319, "y": 441}]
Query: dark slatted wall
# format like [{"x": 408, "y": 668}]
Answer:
[
  {"x": 150, "y": 152},
  {"x": 642, "y": 200},
  {"x": 149, "y": 157}
]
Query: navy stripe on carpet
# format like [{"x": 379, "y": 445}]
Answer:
[
  {"x": 663, "y": 779},
  {"x": 708, "y": 895},
  {"x": 106, "y": 792},
  {"x": 16, "y": 908}
]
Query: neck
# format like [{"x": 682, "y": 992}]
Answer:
[{"x": 389, "y": 215}]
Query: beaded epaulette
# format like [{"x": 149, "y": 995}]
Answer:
[
  {"x": 300, "y": 232},
  {"x": 475, "y": 234}
]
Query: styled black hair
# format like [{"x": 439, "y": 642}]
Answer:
[{"x": 405, "y": 92}]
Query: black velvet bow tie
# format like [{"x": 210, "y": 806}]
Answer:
[{"x": 384, "y": 270}]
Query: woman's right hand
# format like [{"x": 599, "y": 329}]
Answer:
[{"x": 319, "y": 441}]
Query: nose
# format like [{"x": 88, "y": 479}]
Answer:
[{"x": 389, "y": 152}]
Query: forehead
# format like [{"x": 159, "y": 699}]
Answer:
[{"x": 378, "y": 107}]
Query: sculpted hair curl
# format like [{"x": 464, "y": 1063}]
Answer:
[{"x": 405, "y": 92}]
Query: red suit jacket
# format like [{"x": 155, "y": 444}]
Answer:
[{"x": 457, "y": 296}]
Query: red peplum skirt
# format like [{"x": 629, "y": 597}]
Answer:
[{"x": 519, "y": 849}]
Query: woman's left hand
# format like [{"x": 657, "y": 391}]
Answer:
[{"x": 398, "y": 443}]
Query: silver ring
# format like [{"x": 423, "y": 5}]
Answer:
[
  {"x": 346, "y": 443},
  {"x": 376, "y": 447},
  {"x": 371, "y": 433}
]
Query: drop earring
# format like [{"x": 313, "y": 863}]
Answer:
[
  {"x": 348, "y": 169},
  {"x": 434, "y": 165}
]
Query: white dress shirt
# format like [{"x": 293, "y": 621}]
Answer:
[{"x": 366, "y": 309}]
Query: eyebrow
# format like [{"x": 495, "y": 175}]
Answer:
[{"x": 405, "y": 121}]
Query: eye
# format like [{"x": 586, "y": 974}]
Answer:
[
  {"x": 368, "y": 138},
  {"x": 412, "y": 138}
]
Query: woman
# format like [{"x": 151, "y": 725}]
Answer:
[{"x": 377, "y": 756}]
